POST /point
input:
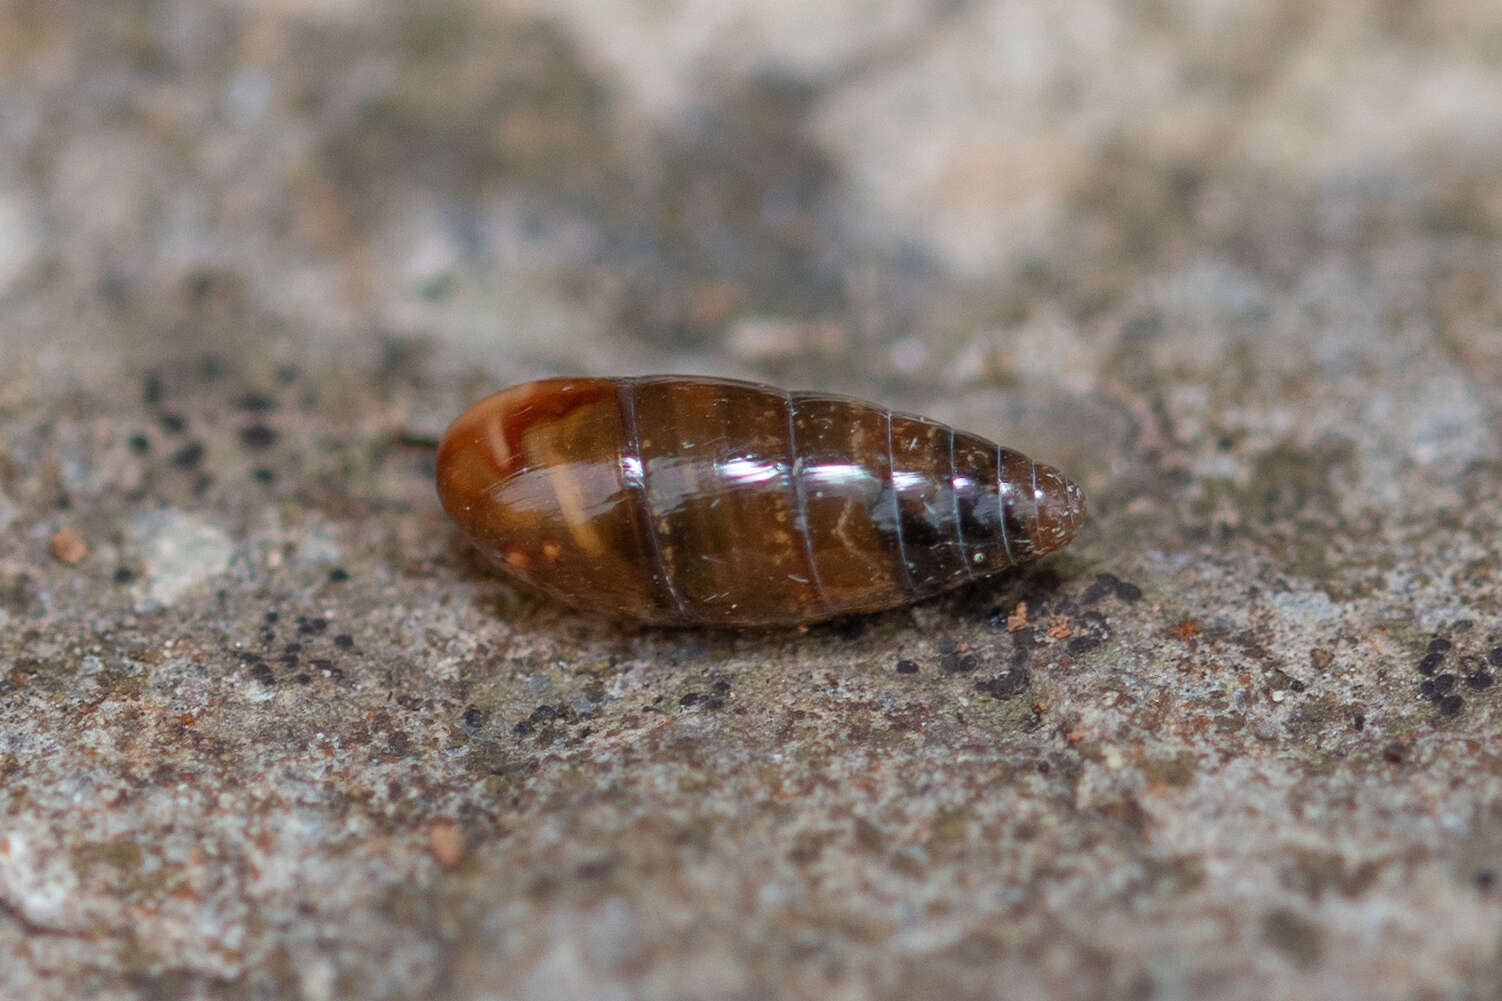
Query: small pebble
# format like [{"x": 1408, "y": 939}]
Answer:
[
  {"x": 68, "y": 546},
  {"x": 445, "y": 844}
]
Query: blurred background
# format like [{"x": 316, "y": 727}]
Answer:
[
  {"x": 1236, "y": 265},
  {"x": 895, "y": 196}
]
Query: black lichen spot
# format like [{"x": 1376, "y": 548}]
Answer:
[
  {"x": 1297, "y": 938},
  {"x": 140, "y": 444},
  {"x": 344, "y": 641},
  {"x": 1023, "y": 642},
  {"x": 189, "y": 456},
  {"x": 544, "y": 714},
  {"x": 151, "y": 389},
  {"x": 258, "y": 436},
  {"x": 1359, "y": 721},
  {"x": 907, "y": 667},
  {"x": 1430, "y": 662},
  {"x": 124, "y": 575},
  {"x": 1083, "y": 644},
  {"x": 1284, "y": 680},
  {"x": 1104, "y": 583},
  {"x": 1479, "y": 680},
  {"x": 523, "y": 728},
  {"x": 1444, "y": 683},
  {"x": 954, "y": 663},
  {"x": 256, "y": 403},
  {"x": 474, "y": 717},
  {"x": 1486, "y": 880},
  {"x": 323, "y": 664},
  {"x": 947, "y": 644},
  {"x": 338, "y": 575},
  {"x": 272, "y": 617},
  {"x": 173, "y": 423},
  {"x": 1495, "y": 656},
  {"x": 713, "y": 702},
  {"x": 1109, "y": 583},
  {"x": 721, "y": 686},
  {"x": 312, "y": 627},
  {"x": 1439, "y": 645},
  {"x": 261, "y": 671},
  {"x": 1006, "y": 685},
  {"x": 263, "y": 475},
  {"x": 596, "y": 868},
  {"x": 1450, "y": 705},
  {"x": 304, "y": 678},
  {"x": 691, "y": 698}
]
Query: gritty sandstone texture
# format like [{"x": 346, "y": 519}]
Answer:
[{"x": 274, "y": 732}]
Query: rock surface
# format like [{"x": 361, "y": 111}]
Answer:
[{"x": 276, "y": 733}]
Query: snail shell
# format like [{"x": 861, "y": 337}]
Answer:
[{"x": 694, "y": 501}]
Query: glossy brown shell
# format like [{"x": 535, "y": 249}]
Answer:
[{"x": 693, "y": 501}]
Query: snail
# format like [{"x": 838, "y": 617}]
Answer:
[{"x": 693, "y": 501}]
